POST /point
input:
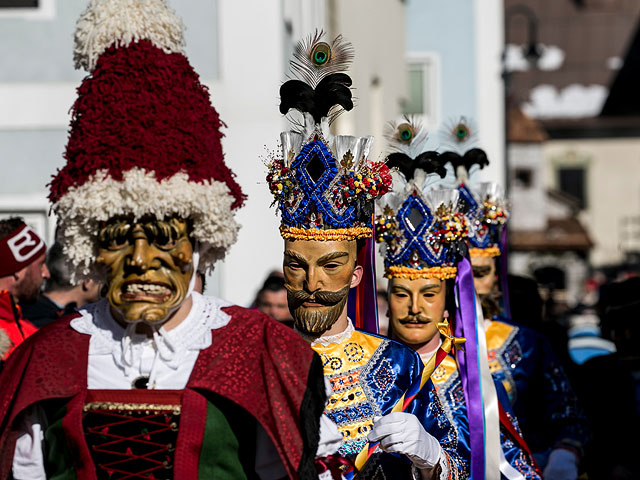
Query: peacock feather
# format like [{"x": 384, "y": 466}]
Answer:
[{"x": 320, "y": 87}]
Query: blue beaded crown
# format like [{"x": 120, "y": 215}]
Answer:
[
  {"x": 420, "y": 225},
  {"x": 487, "y": 215},
  {"x": 324, "y": 185}
]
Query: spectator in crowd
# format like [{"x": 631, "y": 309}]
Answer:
[
  {"x": 22, "y": 271},
  {"x": 272, "y": 299},
  {"x": 527, "y": 310},
  {"x": 613, "y": 377},
  {"x": 60, "y": 295}
]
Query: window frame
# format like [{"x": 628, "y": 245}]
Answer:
[
  {"x": 46, "y": 10},
  {"x": 34, "y": 208},
  {"x": 431, "y": 87},
  {"x": 582, "y": 169}
]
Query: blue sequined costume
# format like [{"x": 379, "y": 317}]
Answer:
[
  {"x": 368, "y": 374},
  {"x": 537, "y": 387},
  {"x": 446, "y": 379}
]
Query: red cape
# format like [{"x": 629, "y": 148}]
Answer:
[{"x": 253, "y": 361}]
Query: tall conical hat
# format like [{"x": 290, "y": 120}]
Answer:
[{"x": 144, "y": 138}]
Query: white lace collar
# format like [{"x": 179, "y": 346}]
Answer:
[
  {"x": 325, "y": 341},
  {"x": 193, "y": 333},
  {"x": 426, "y": 356}
]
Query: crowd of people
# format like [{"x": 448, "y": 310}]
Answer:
[{"x": 116, "y": 365}]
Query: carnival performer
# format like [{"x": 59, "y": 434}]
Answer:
[
  {"x": 422, "y": 235},
  {"x": 22, "y": 271},
  {"x": 520, "y": 358},
  {"x": 155, "y": 380},
  {"x": 325, "y": 187}
]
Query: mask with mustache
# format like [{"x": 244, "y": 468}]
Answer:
[
  {"x": 316, "y": 320},
  {"x": 418, "y": 318},
  {"x": 490, "y": 303}
]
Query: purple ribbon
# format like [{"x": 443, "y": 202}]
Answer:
[
  {"x": 465, "y": 326},
  {"x": 366, "y": 292},
  {"x": 504, "y": 273}
]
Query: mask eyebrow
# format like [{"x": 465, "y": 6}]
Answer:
[
  {"x": 481, "y": 271},
  {"x": 431, "y": 286},
  {"x": 331, "y": 256},
  {"x": 400, "y": 287},
  {"x": 288, "y": 254},
  {"x": 426, "y": 288}
]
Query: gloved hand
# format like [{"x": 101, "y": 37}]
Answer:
[
  {"x": 562, "y": 465},
  {"x": 401, "y": 432}
]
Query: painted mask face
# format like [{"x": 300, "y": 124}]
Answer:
[
  {"x": 318, "y": 276},
  {"x": 484, "y": 274},
  {"x": 149, "y": 266},
  {"x": 415, "y": 308}
]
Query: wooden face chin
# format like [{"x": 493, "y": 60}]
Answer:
[{"x": 149, "y": 266}]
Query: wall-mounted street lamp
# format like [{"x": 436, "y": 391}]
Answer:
[{"x": 532, "y": 52}]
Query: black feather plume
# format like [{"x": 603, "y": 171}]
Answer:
[
  {"x": 332, "y": 90},
  {"x": 474, "y": 156},
  {"x": 426, "y": 161}
]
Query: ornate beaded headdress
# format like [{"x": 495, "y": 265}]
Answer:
[
  {"x": 420, "y": 225},
  {"x": 486, "y": 220},
  {"x": 483, "y": 204},
  {"x": 324, "y": 186}
]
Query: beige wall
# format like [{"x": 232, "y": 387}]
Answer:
[
  {"x": 376, "y": 29},
  {"x": 612, "y": 190},
  {"x": 528, "y": 204}
]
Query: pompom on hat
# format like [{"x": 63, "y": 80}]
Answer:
[{"x": 144, "y": 138}]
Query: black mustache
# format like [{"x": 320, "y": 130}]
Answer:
[
  {"x": 323, "y": 297},
  {"x": 419, "y": 318}
]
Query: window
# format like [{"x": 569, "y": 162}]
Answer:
[
  {"x": 422, "y": 94},
  {"x": 33, "y": 208},
  {"x": 571, "y": 180},
  {"x": 523, "y": 177},
  {"x": 28, "y": 9},
  {"x": 19, "y": 3},
  {"x": 414, "y": 103}
]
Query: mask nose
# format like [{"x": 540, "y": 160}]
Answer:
[
  {"x": 313, "y": 282},
  {"x": 141, "y": 256}
]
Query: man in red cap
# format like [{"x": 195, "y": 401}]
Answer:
[{"x": 22, "y": 271}]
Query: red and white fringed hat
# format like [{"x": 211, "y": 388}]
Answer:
[{"x": 144, "y": 139}]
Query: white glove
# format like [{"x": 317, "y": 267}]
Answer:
[
  {"x": 402, "y": 433},
  {"x": 330, "y": 437},
  {"x": 562, "y": 465}
]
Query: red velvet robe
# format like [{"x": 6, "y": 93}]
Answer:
[{"x": 258, "y": 364}]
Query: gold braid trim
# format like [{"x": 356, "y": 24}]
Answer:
[
  {"x": 121, "y": 406},
  {"x": 484, "y": 252},
  {"x": 441, "y": 273},
  {"x": 351, "y": 233}
]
